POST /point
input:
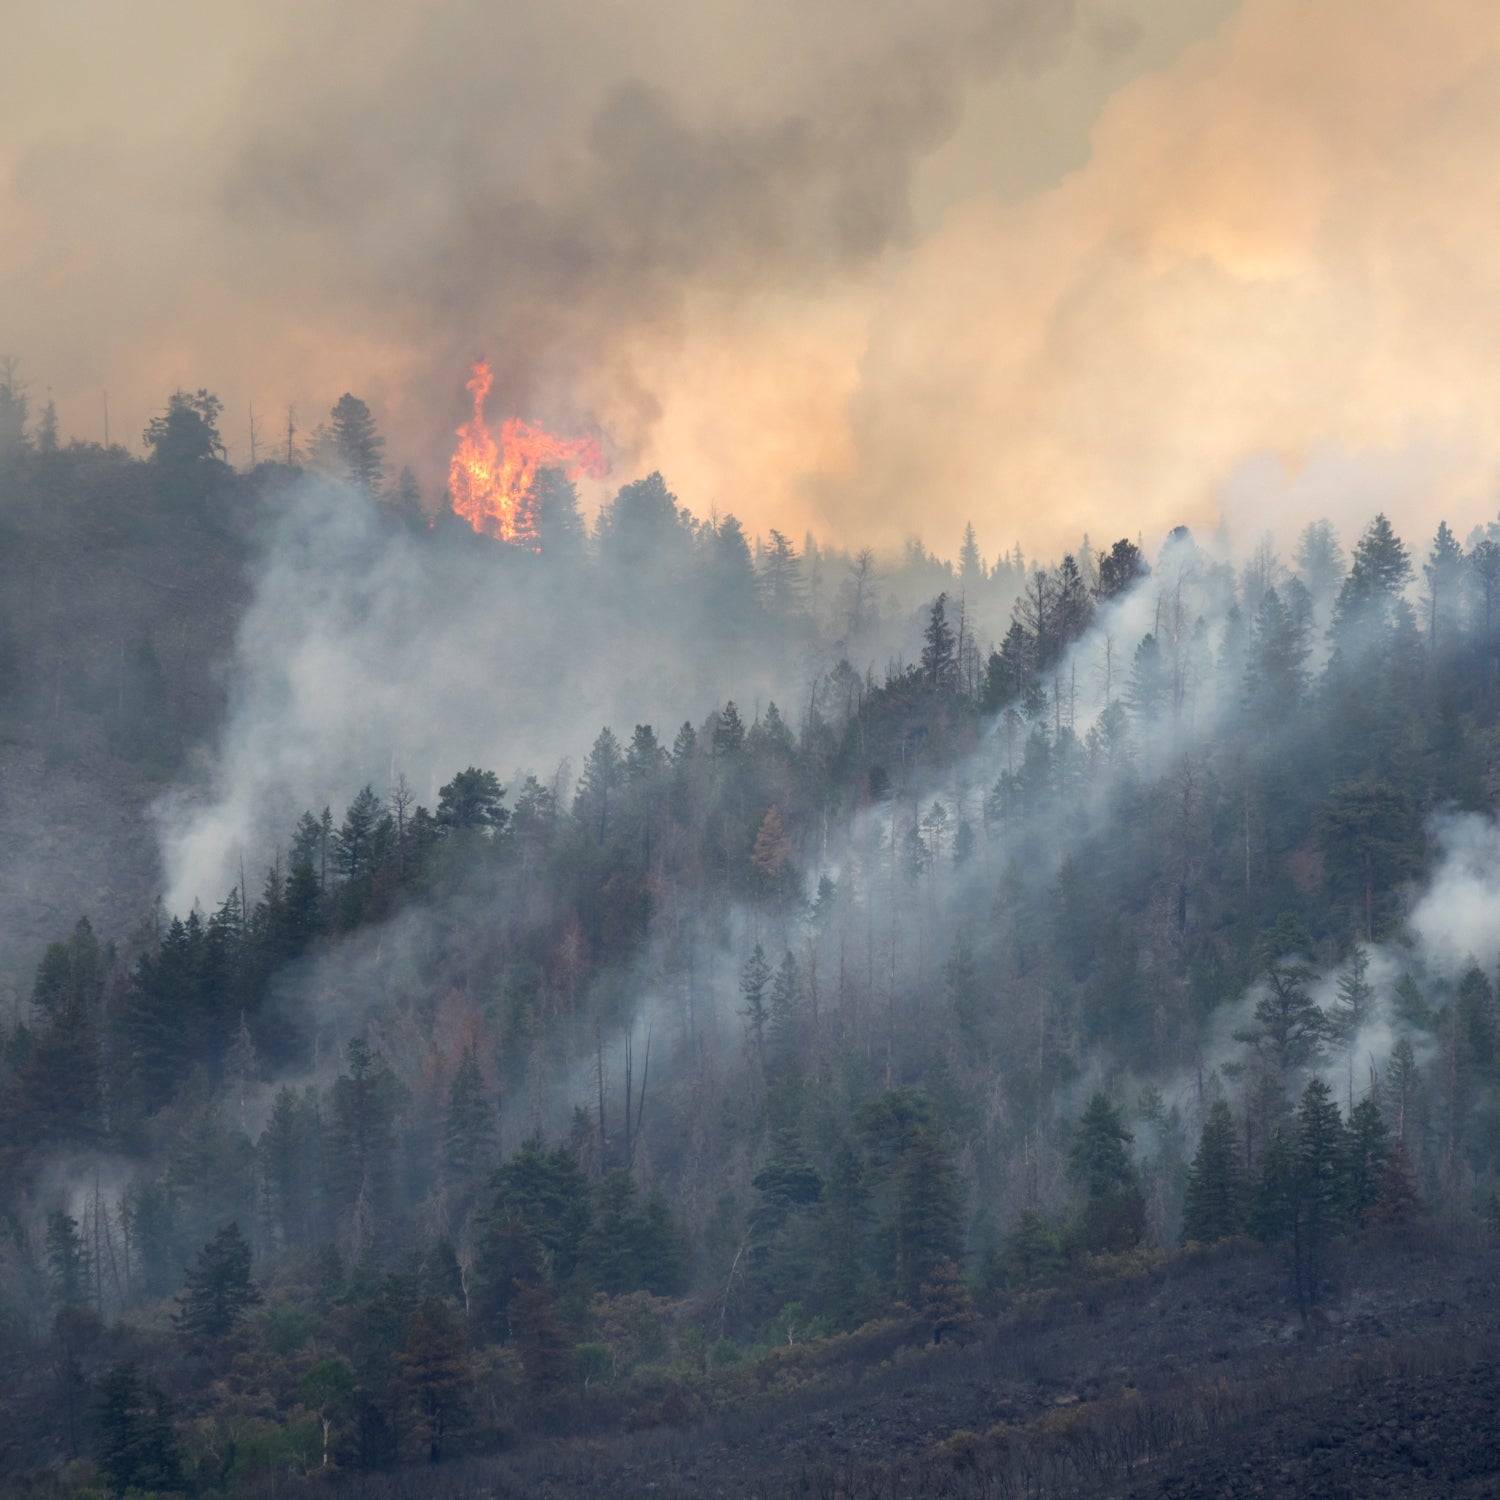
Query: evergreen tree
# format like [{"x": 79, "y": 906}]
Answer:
[
  {"x": 60, "y": 1087},
  {"x": 13, "y": 406},
  {"x": 781, "y": 571},
  {"x": 469, "y": 1131},
  {"x": 939, "y": 653},
  {"x": 547, "y": 1194},
  {"x": 1319, "y": 560},
  {"x": 187, "y": 433},
  {"x": 1289, "y": 1025},
  {"x": 46, "y": 430},
  {"x": 366, "y": 1101},
  {"x": 1379, "y": 572},
  {"x": 1120, "y": 567},
  {"x": 1098, "y": 1163},
  {"x": 929, "y": 1221},
  {"x": 1277, "y": 649},
  {"x": 435, "y": 1374},
  {"x": 1031, "y": 1251},
  {"x": 1443, "y": 572},
  {"x": 355, "y": 443},
  {"x": 134, "y": 1445},
  {"x": 288, "y": 1151},
  {"x": 753, "y": 983},
  {"x": 946, "y": 1305},
  {"x": 218, "y": 1290},
  {"x": 1214, "y": 1205},
  {"x": 354, "y": 843},
  {"x": 1318, "y": 1153},
  {"x": 603, "y": 771},
  {"x": 971, "y": 574},
  {"x": 1366, "y": 1160},
  {"x": 69, "y": 1265},
  {"x": 785, "y": 1019},
  {"x": 473, "y": 801},
  {"x": 1370, "y": 836},
  {"x": 771, "y": 854}
]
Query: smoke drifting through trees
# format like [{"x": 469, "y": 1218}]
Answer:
[{"x": 938, "y": 965}]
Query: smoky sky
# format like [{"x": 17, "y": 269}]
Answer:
[{"x": 873, "y": 269}]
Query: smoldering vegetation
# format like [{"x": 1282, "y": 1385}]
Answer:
[{"x": 973, "y": 931}]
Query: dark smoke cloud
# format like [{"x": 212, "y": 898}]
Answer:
[{"x": 482, "y": 212}]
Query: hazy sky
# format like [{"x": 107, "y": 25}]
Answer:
[{"x": 873, "y": 268}]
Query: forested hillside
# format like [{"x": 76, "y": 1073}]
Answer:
[{"x": 987, "y": 929}]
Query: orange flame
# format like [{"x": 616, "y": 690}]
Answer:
[{"x": 491, "y": 484}]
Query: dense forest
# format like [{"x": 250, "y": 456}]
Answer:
[{"x": 989, "y": 928}]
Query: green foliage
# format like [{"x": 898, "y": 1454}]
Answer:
[
  {"x": 134, "y": 1444},
  {"x": 69, "y": 1265},
  {"x": 218, "y": 1291},
  {"x": 1100, "y": 1165},
  {"x": 472, "y": 801},
  {"x": 1214, "y": 1207}
]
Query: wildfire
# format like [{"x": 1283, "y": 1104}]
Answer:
[{"x": 491, "y": 483}]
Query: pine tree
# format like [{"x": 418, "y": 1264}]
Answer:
[
  {"x": 1353, "y": 1007},
  {"x": 540, "y": 1339},
  {"x": 781, "y": 570},
  {"x": 603, "y": 771},
  {"x": 46, "y": 430},
  {"x": 1276, "y": 651},
  {"x": 1289, "y": 1025},
  {"x": 771, "y": 854},
  {"x": 929, "y": 1221},
  {"x": 753, "y": 982},
  {"x": 356, "y": 444},
  {"x": 469, "y": 1131},
  {"x": 1366, "y": 1160},
  {"x": 1318, "y": 1151},
  {"x": 1319, "y": 560},
  {"x": 1401, "y": 1088},
  {"x": 472, "y": 802},
  {"x": 946, "y": 1305},
  {"x": 1214, "y": 1207},
  {"x": 1120, "y": 567},
  {"x": 288, "y": 1151},
  {"x": 939, "y": 653},
  {"x": 69, "y": 1265},
  {"x": 218, "y": 1290},
  {"x": 971, "y": 574},
  {"x": 1030, "y": 1251},
  {"x": 1099, "y": 1164},
  {"x": 134, "y": 1445},
  {"x": 365, "y": 1103},
  {"x": 1443, "y": 571},
  {"x": 785, "y": 1019},
  {"x": 435, "y": 1374}
]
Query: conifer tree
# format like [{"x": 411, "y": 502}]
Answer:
[
  {"x": 1214, "y": 1205},
  {"x": 1318, "y": 1153},
  {"x": 134, "y": 1444},
  {"x": 1099, "y": 1164},
  {"x": 218, "y": 1291},
  {"x": 939, "y": 653},
  {"x": 69, "y": 1265},
  {"x": 469, "y": 1131},
  {"x": 1366, "y": 1159},
  {"x": 753, "y": 983},
  {"x": 435, "y": 1373},
  {"x": 355, "y": 443}
]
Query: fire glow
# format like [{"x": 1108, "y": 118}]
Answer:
[{"x": 492, "y": 485}]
